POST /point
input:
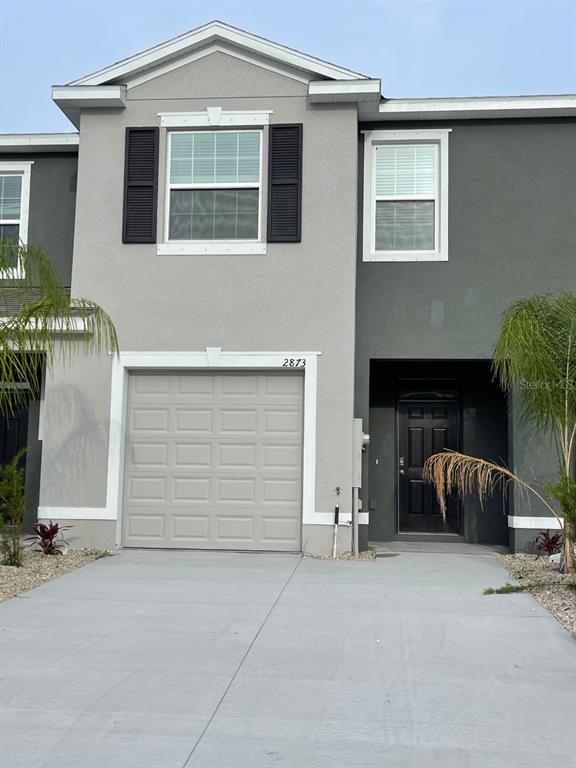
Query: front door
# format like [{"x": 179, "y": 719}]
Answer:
[{"x": 424, "y": 429}]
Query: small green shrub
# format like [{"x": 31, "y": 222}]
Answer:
[
  {"x": 98, "y": 554},
  {"x": 507, "y": 589},
  {"x": 12, "y": 511}
]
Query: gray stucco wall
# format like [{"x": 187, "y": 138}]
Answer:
[
  {"x": 52, "y": 206},
  {"x": 296, "y": 297},
  {"x": 512, "y": 208}
]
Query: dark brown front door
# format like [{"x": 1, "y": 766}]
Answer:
[{"x": 424, "y": 429}]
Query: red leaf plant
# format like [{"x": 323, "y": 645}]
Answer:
[
  {"x": 549, "y": 544},
  {"x": 48, "y": 537}
]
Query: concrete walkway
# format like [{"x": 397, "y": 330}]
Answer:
[{"x": 222, "y": 660}]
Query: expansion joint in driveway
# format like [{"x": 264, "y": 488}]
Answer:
[{"x": 239, "y": 667}]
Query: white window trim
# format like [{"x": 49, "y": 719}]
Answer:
[
  {"x": 212, "y": 358},
  {"x": 211, "y": 247},
  {"x": 20, "y": 168},
  {"x": 373, "y": 139}
]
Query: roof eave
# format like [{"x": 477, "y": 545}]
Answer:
[
  {"x": 25, "y": 143},
  {"x": 72, "y": 98},
  {"x": 477, "y": 108}
]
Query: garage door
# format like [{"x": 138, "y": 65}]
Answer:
[{"x": 214, "y": 461}]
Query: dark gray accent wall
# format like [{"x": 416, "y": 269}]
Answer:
[
  {"x": 512, "y": 233},
  {"x": 52, "y": 206}
]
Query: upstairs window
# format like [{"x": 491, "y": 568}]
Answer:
[
  {"x": 406, "y": 196},
  {"x": 214, "y": 186}
]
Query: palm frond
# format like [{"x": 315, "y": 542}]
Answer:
[
  {"x": 46, "y": 326},
  {"x": 536, "y": 355},
  {"x": 453, "y": 472}
]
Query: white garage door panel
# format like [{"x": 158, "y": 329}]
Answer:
[{"x": 214, "y": 461}]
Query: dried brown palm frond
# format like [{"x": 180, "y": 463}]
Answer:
[{"x": 452, "y": 472}]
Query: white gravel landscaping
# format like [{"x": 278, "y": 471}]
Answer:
[
  {"x": 39, "y": 568},
  {"x": 551, "y": 588}
]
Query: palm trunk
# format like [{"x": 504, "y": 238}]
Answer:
[{"x": 567, "y": 559}]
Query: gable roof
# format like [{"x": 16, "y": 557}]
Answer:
[{"x": 216, "y": 31}]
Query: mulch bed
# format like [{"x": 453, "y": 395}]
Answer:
[{"x": 38, "y": 569}]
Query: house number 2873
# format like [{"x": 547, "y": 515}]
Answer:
[{"x": 294, "y": 362}]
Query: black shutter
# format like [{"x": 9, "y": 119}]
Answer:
[
  {"x": 140, "y": 185},
  {"x": 285, "y": 183}
]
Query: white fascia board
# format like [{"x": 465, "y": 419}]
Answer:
[
  {"x": 320, "y": 91},
  {"x": 216, "y": 31},
  {"x": 81, "y": 96},
  {"x": 39, "y": 142},
  {"x": 489, "y": 106}
]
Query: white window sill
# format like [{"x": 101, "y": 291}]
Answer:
[
  {"x": 211, "y": 249},
  {"x": 404, "y": 256}
]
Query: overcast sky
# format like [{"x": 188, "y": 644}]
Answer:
[{"x": 457, "y": 48}]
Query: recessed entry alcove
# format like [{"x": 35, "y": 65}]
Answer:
[{"x": 418, "y": 408}]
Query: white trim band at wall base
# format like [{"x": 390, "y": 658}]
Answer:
[
  {"x": 535, "y": 523},
  {"x": 74, "y": 513}
]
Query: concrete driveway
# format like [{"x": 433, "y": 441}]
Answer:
[{"x": 222, "y": 660}]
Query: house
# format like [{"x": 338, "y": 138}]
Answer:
[{"x": 283, "y": 250}]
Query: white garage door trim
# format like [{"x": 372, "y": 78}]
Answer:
[{"x": 212, "y": 358}]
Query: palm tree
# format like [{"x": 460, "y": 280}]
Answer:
[
  {"x": 40, "y": 323},
  {"x": 535, "y": 355}
]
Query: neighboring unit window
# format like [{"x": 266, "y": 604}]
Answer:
[
  {"x": 14, "y": 203},
  {"x": 214, "y": 185},
  {"x": 10, "y": 206},
  {"x": 406, "y": 196}
]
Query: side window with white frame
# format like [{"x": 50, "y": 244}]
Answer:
[
  {"x": 406, "y": 196},
  {"x": 14, "y": 200},
  {"x": 214, "y": 186},
  {"x": 14, "y": 205}
]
